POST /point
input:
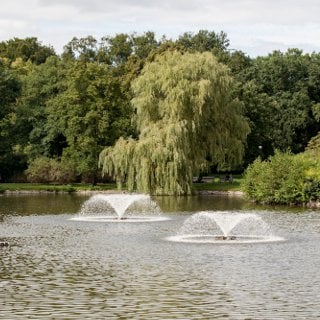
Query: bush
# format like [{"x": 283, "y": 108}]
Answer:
[
  {"x": 282, "y": 179},
  {"x": 46, "y": 170}
]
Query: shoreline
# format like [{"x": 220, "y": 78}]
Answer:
[
  {"x": 45, "y": 192},
  {"x": 213, "y": 193},
  {"x": 231, "y": 193},
  {"x": 114, "y": 191}
]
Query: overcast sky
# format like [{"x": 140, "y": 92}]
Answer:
[{"x": 256, "y": 27}]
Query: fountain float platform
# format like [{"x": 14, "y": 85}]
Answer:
[
  {"x": 130, "y": 219},
  {"x": 218, "y": 239},
  {"x": 224, "y": 227}
]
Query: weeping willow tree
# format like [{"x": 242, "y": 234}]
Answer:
[{"x": 187, "y": 120}]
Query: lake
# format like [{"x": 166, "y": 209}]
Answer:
[{"x": 57, "y": 268}]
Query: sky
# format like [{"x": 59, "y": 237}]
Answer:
[{"x": 257, "y": 27}]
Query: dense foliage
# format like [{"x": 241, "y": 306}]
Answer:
[
  {"x": 49, "y": 170},
  {"x": 283, "y": 179},
  {"x": 281, "y": 93},
  {"x": 180, "y": 131},
  {"x": 68, "y": 108},
  {"x": 9, "y": 91},
  {"x": 28, "y": 49}
]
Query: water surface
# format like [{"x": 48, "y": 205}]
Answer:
[{"x": 56, "y": 268}]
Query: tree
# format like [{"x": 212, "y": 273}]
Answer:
[
  {"x": 187, "y": 119},
  {"x": 144, "y": 44},
  {"x": 119, "y": 48},
  {"x": 238, "y": 62},
  {"x": 91, "y": 113},
  {"x": 204, "y": 40},
  {"x": 83, "y": 49},
  {"x": 9, "y": 91},
  {"x": 313, "y": 78},
  {"x": 258, "y": 106},
  {"x": 281, "y": 101},
  {"x": 39, "y": 85},
  {"x": 26, "y": 49}
]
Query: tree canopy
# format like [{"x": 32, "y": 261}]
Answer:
[
  {"x": 9, "y": 91},
  {"x": 26, "y": 49},
  {"x": 67, "y": 108},
  {"x": 280, "y": 98},
  {"x": 90, "y": 113},
  {"x": 187, "y": 119}
]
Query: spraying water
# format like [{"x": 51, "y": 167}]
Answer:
[
  {"x": 119, "y": 207},
  {"x": 210, "y": 226}
]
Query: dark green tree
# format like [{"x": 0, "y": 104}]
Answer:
[
  {"x": 41, "y": 84},
  {"x": 91, "y": 113},
  {"x": 143, "y": 44},
  {"x": 280, "y": 107},
  {"x": 9, "y": 92},
  {"x": 26, "y": 49},
  {"x": 82, "y": 49},
  {"x": 204, "y": 40}
]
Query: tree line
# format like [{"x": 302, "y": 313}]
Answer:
[{"x": 59, "y": 113}]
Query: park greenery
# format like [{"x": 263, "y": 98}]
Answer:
[
  {"x": 285, "y": 178},
  {"x": 154, "y": 113},
  {"x": 181, "y": 132}
]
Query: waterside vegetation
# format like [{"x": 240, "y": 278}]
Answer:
[
  {"x": 158, "y": 112},
  {"x": 208, "y": 184},
  {"x": 285, "y": 178},
  {"x": 42, "y": 187},
  {"x": 181, "y": 132}
]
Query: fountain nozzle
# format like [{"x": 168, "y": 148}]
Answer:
[{"x": 225, "y": 238}]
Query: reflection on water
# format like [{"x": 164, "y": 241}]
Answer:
[
  {"x": 213, "y": 202},
  {"x": 198, "y": 203},
  {"x": 40, "y": 204},
  {"x": 55, "y": 268}
]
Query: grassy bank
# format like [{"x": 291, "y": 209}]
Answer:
[
  {"x": 55, "y": 187},
  {"x": 209, "y": 184},
  {"x": 214, "y": 184}
]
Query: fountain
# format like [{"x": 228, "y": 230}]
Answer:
[
  {"x": 119, "y": 208},
  {"x": 224, "y": 227}
]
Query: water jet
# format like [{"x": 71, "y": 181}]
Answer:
[
  {"x": 224, "y": 227},
  {"x": 120, "y": 208}
]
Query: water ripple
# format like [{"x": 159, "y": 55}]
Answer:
[{"x": 55, "y": 268}]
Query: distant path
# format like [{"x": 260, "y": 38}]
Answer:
[
  {"x": 231, "y": 193},
  {"x": 88, "y": 192}
]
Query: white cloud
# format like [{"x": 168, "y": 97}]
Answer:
[
  {"x": 252, "y": 25},
  {"x": 260, "y": 39},
  {"x": 227, "y": 11}
]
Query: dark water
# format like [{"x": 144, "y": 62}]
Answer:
[{"x": 56, "y": 268}]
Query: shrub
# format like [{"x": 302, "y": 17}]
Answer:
[
  {"x": 39, "y": 170},
  {"x": 282, "y": 179},
  {"x": 46, "y": 170}
]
